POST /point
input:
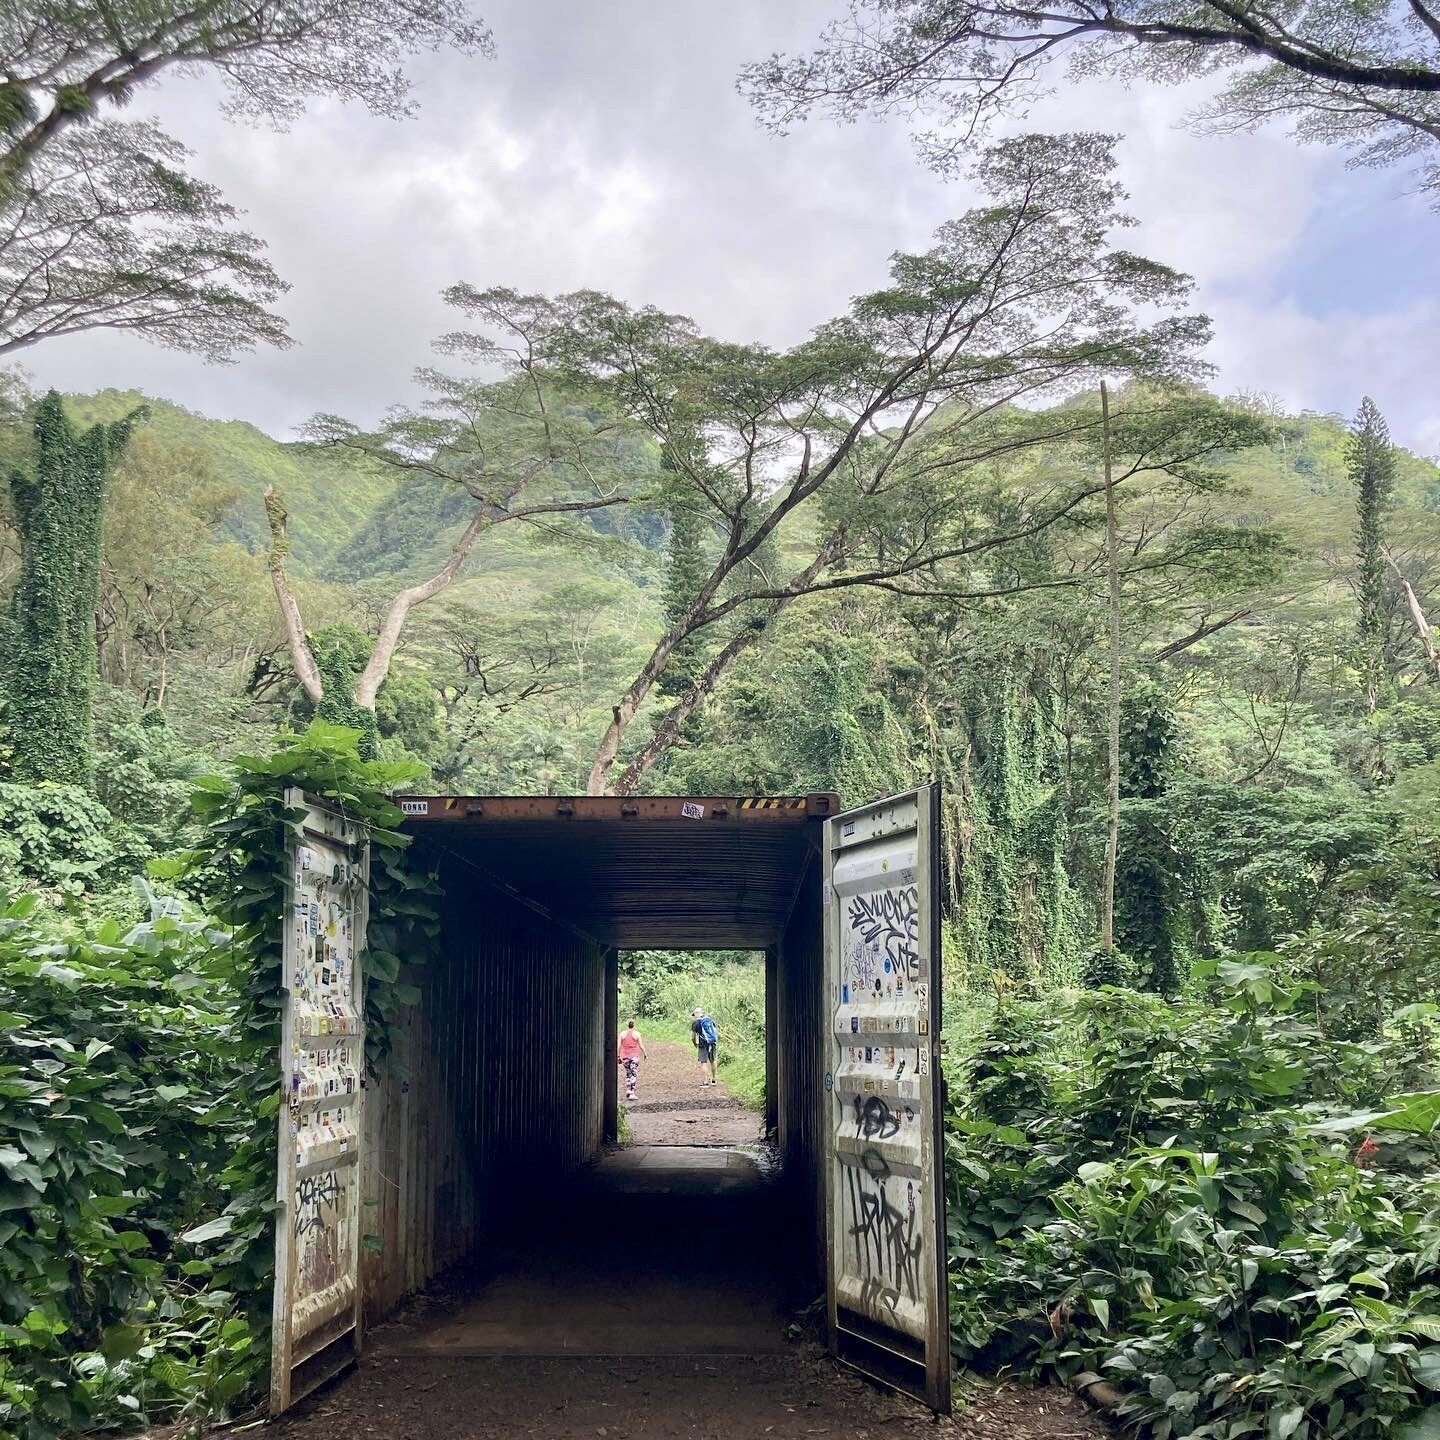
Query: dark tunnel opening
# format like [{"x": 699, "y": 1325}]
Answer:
[{"x": 494, "y": 1164}]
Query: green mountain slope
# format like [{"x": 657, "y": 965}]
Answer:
[{"x": 329, "y": 497}]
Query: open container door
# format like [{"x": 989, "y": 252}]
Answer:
[
  {"x": 882, "y": 1161},
  {"x": 317, "y": 1310}
]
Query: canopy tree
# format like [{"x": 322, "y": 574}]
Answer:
[
  {"x": 100, "y": 226},
  {"x": 1345, "y": 72},
  {"x": 63, "y": 60},
  {"x": 106, "y": 230},
  {"x": 892, "y": 441},
  {"x": 512, "y": 449}
]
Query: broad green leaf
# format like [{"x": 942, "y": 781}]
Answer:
[
  {"x": 1417, "y": 1114},
  {"x": 1364, "y": 1277},
  {"x": 1425, "y": 1368},
  {"x": 210, "y": 1230},
  {"x": 1249, "y": 1211},
  {"x": 1284, "y": 1423}
]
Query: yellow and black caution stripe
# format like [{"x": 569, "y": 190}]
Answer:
[{"x": 762, "y": 802}]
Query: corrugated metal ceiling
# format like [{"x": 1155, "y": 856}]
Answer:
[{"x": 667, "y": 872}]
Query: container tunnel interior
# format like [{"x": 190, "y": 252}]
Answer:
[{"x": 480, "y": 1143}]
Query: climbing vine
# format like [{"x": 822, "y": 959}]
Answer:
[
  {"x": 686, "y": 570},
  {"x": 1149, "y": 912},
  {"x": 1017, "y": 915},
  {"x": 243, "y": 872},
  {"x": 50, "y": 631}
]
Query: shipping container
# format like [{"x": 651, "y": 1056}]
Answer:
[{"x": 504, "y": 1082}]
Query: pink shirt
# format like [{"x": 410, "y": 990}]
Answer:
[{"x": 629, "y": 1044}]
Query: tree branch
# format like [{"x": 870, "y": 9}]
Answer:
[
  {"x": 1202, "y": 631},
  {"x": 301, "y": 655},
  {"x": 1417, "y": 616}
]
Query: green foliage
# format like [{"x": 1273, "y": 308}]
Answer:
[
  {"x": 815, "y": 713},
  {"x": 50, "y": 632},
  {"x": 660, "y": 984},
  {"x": 144, "y": 774},
  {"x": 1169, "y": 1194},
  {"x": 118, "y": 1116},
  {"x": 56, "y": 837},
  {"x": 1279, "y": 861},
  {"x": 686, "y": 570},
  {"x": 1018, "y": 915},
  {"x": 340, "y": 653},
  {"x": 1379, "y": 961},
  {"x": 329, "y": 499},
  {"x": 138, "y": 1080},
  {"x": 406, "y": 711},
  {"x": 1106, "y": 967}
]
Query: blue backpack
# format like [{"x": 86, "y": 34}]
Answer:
[{"x": 707, "y": 1029}]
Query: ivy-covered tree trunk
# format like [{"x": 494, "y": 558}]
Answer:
[
  {"x": 1372, "y": 472},
  {"x": 49, "y": 676},
  {"x": 340, "y": 654},
  {"x": 686, "y": 571},
  {"x": 1147, "y": 907}
]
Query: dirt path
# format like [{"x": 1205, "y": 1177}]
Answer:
[
  {"x": 672, "y": 1109},
  {"x": 656, "y": 1308},
  {"x": 785, "y": 1397}
]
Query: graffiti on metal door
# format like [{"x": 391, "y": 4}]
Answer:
[
  {"x": 884, "y": 1205},
  {"x": 317, "y": 1243}
]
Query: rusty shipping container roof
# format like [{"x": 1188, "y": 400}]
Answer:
[{"x": 673, "y": 872}]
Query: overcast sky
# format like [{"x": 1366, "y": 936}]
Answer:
[{"x": 605, "y": 146}]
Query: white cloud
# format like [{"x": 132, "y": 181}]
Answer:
[
  {"x": 606, "y": 147},
  {"x": 1330, "y": 362}
]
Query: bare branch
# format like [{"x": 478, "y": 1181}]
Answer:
[{"x": 301, "y": 655}]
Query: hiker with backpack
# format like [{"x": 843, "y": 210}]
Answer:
[{"x": 703, "y": 1034}]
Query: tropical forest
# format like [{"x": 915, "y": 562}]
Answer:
[{"x": 996, "y": 519}]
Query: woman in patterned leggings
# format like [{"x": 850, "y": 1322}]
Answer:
[{"x": 631, "y": 1052}]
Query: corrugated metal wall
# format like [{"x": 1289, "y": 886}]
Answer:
[
  {"x": 798, "y": 1064},
  {"x": 499, "y": 1072}
]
